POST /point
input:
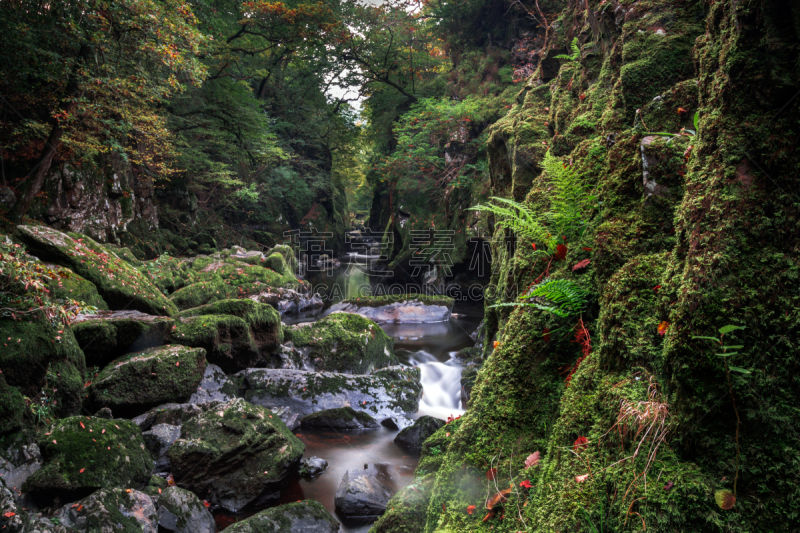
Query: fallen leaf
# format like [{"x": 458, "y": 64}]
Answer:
[
  {"x": 526, "y": 484},
  {"x": 662, "y": 328},
  {"x": 54, "y": 441},
  {"x": 82, "y": 426},
  {"x": 725, "y": 499},
  {"x": 581, "y": 479},
  {"x": 491, "y": 474},
  {"x": 656, "y": 288},
  {"x": 581, "y": 264},
  {"x": 470, "y": 509},
  {"x": 81, "y": 470},
  {"x": 585, "y": 249},
  {"x": 533, "y": 459},
  {"x": 178, "y": 363},
  {"x": 669, "y": 485},
  {"x": 206, "y": 503},
  {"x": 495, "y": 344},
  {"x": 498, "y": 498},
  {"x": 561, "y": 252},
  {"x": 581, "y": 443},
  {"x": 9, "y": 514}
]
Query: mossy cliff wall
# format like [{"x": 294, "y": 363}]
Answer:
[{"x": 707, "y": 237}]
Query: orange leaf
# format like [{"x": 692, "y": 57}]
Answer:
[
  {"x": 581, "y": 479},
  {"x": 81, "y": 470},
  {"x": 470, "y": 509},
  {"x": 9, "y": 514},
  {"x": 82, "y": 426},
  {"x": 581, "y": 264},
  {"x": 498, "y": 498},
  {"x": 662, "y": 328},
  {"x": 491, "y": 474}
]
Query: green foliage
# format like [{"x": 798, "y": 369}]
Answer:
[
  {"x": 725, "y": 330},
  {"x": 575, "y": 52},
  {"x": 561, "y": 297}
]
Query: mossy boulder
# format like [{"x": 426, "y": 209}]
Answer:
[
  {"x": 75, "y": 287},
  {"x": 406, "y": 511},
  {"x": 288, "y": 255},
  {"x": 40, "y": 355},
  {"x": 236, "y": 334},
  {"x": 434, "y": 448},
  {"x": 235, "y": 455},
  {"x": 81, "y": 454},
  {"x": 105, "y": 336},
  {"x": 276, "y": 262},
  {"x": 345, "y": 343},
  {"x": 343, "y": 418},
  {"x": 307, "y": 516},
  {"x": 13, "y": 408},
  {"x": 119, "y": 283},
  {"x": 403, "y": 309},
  {"x": 411, "y": 438},
  {"x": 181, "y": 511},
  {"x": 384, "y": 393},
  {"x": 111, "y": 511},
  {"x": 134, "y": 383}
]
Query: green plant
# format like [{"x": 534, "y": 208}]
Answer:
[
  {"x": 565, "y": 219},
  {"x": 684, "y": 132},
  {"x": 575, "y": 50},
  {"x": 592, "y": 527},
  {"x": 561, "y": 297}
]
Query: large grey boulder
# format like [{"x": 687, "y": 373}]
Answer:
[
  {"x": 18, "y": 462},
  {"x": 383, "y": 393},
  {"x": 307, "y": 516},
  {"x": 403, "y": 310},
  {"x": 364, "y": 493},
  {"x": 214, "y": 387},
  {"x": 343, "y": 418},
  {"x": 181, "y": 511},
  {"x": 312, "y": 467},
  {"x": 110, "y": 511},
  {"x": 411, "y": 438},
  {"x": 158, "y": 441},
  {"x": 174, "y": 414}
]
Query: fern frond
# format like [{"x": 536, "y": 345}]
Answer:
[
  {"x": 517, "y": 217},
  {"x": 567, "y": 202},
  {"x": 575, "y": 54},
  {"x": 560, "y": 297}
]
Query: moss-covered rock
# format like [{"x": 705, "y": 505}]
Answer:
[
  {"x": 406, "y": 511},
  {"x": 345, "y": 343},
  {"x": 82, "y": 454},
  {"x": 236, "y": 334},
  {"x": 110, "y": 511},
  {"x": 105, "y": 336},
  {"x": 134, "y": 383},
  {"x": 181, "y": 511},
  {"x": 75, "y": 287},
  {"x": 235, "y": 455},
  {"x": 343, "y": 418},
  {"x": 305, "y": 516},
  {"x": 42, "y": 358},
  {"x": 13, "y": 408},
  {"x": 120, "y": 284},
  {"x": 412, "y": 437}
]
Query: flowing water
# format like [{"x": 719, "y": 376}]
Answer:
[{"x": 430, "y": 347}]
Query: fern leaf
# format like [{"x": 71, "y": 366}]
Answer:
[{"x": 560, "y": 297}]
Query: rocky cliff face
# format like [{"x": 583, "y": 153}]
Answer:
[{"x": 643, "y": 426}]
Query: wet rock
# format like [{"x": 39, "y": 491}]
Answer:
[
  {"x": 214, "y": 387},
  {"x": 404, "y": 310},
  {"x": 135, "y": 383},
  {"x": 289, "y": 301},
  {"x": 108, "y": 335},
  {"x": 110, "y": 511},
  {"x": 236, "y": 334},
  {"x": 343, "y": 418},
  {"x": 345, "y": 343},
  {"x": 252, "y": 258},
  {"x": 83, "y": 453},
  {"x": 71, "y": 286},
  {"x": 364, "y": 493},
  {"x": 235, "y": 455},
  {"x": 181, "y": 511},
  {"x": 468, "y": 377},
  {"x": 307, "y": 516},
  {"x": 396, "y": 422},
  {"x": 174, "y": 414},
  {"x": 406, "y": 512},
  {"x": 386, "y": 392},
  {"x": 120, "y": 284},
  {"x": 105, "y": 412},
  {"x": 312, "y": 467},
  {"x": 158, "y": 441},
  {"x": 411, "y": 438},
  {"x": 19, "y": 462}
]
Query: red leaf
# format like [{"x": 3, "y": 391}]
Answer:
[
  {"x": 561, "y": 252},
  {"x": 526, "y": 484},
  {"x": 205, "y": 502},
  {"x": 725, "y": 499},
  {"x": 581, "y": 443},
  {"x": 9, "y": 514},
  {"x": 498, "y": 498},
  {"x": 82, "y": 426},
  {"x": 669, "y": 485},
  {"x": 470, "y": 509},
  {"x": 663, "y": 327},
  {"x": 81, "y": 470},
  {"x": 533, "y": 459},
  {"x": 581, "y": 264},
  {"x": 534, "y": 246},
  {"x": 656, "y": 288},
  {"x": 491, "y": 474},
  {"x": 546, "y": 334},
  {"x": 586, "y": 249}
]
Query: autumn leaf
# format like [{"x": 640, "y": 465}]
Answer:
[
  {"x": 662, "y": 328},
  {"x": 81, "y": 470},
  {"x": 526, "y": 484},
  {"x": 470, "y": 509},
  {"x": 581, "y": 443},
  {"x": 669, "y": 485},
  {"x": 495, "y": 344},
  {"x": 581, "y": 479},
  {"x": 491, "y": 474},
  {"x": 546, "y": 334},
  {"x": 533, "y": 459},
  {"x": 498, "y": 498},
  {"x": 9, "y": 514},
  {"x": 561, "y": 252},
  {"x": 82, "y": 426},
  {"x": 206, "y": 503},
  {"x": 725, "y": 499},
  {"x": 581, "y": 264}
]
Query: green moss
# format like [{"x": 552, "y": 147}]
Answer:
[
  {"x": 276, "y": 262},
  {"x": 105, "y": 339},
  {"x": 120, "y": 284},
  {"x": 227, "y": 340},
  {"x": 406, "y": 511},
  {"x": 13, "y": 409},
  {"x": 286, "y": 518},
  {"x": 111, "y": 455},
  {"x": 134, "y": 383},
  {"x": 345, "y": 342},
  {"x": 75, "y": 287}
]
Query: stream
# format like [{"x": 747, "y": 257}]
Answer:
[{"x": 431, "y": 347}]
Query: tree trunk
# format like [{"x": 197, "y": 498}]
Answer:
[{"x": 41, "y": 170}]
